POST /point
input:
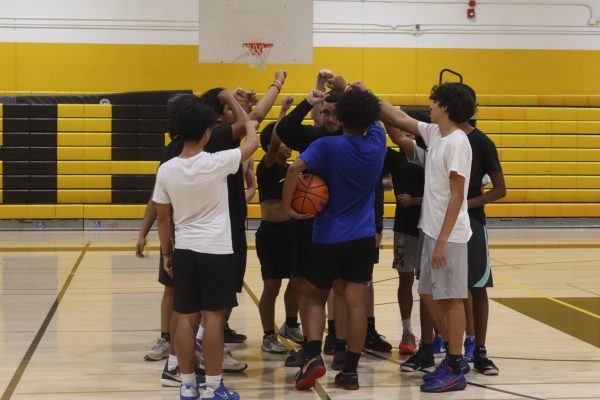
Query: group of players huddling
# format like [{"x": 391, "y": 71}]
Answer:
[{"x": 438, "y": 178}]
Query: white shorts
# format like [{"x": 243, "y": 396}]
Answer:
[{"x": 449, "y": 282}]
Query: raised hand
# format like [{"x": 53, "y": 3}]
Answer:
[
  {"x": 358, "y": 85},
  {"x": 316, "y": 97},
  {"x": 286, "y": 103},
  {"x": 337, "y": 83},
  {"x": 280, "y": 76}
]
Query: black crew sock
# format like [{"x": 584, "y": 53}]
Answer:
[
  {"x": 292, "y": 322},
  {"x": 313, "y": 348},
  {"x": 331, "y": 327},
  {"x": 340, "y": 345},
  {"x": 269, "y": 332},
  {"x": 447, "y": 347},
  {"x": 166, "y": 336},
  {"x": 371, "y": 325},
  {"x": 351, "y": 362},
  {"x": 479, "y": 350},
  {"x": 454, "y": 363},
  {"x": 427, "y": 347}
]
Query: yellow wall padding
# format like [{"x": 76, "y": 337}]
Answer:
[
  {"x": 551, "y": 168},
  {"x": 84, "y": 196},
  {"x": 92, "y": 139},
  {"x": 84, "y": 181},
  {"x": 113, "y": 211},
  {"x": 106, "y": 167},
  {"x": 84, "y": 124},
  {"x": 83, "y": 153},
  {"x": 84, "y": 111},
  {"x": 551, "y": 196}
]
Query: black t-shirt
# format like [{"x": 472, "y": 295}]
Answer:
[
  {"x": 485, "y": 161},
  {"x": 221, "y": 139},
  {"x": 270, "y": 180},
  {"x": 408, "y": 178}
]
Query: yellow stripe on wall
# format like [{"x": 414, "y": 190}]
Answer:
[{"x": 62, "y": 67}]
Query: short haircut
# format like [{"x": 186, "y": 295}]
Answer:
[
  {"x": 174, "y": 102},
  {"x": 265, "y": 136},
  {"x": 357, "y": 109},
  {"x": 210, "y": 98},
  {"x": 192, "y": 118},
  {"x": 333, "y": 96},
  {"x": 472, "y": 120},
  {"x": 457, "y": 99}
]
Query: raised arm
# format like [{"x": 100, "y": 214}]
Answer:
[
  {"x": 399, "y": 138},
  {"x": 394, "y": 116},
  {"x": 251, "y": 144},
  {"x": 249, "y": 178},
  {"x": 322, "y": 77},
  {"x": 271, "y": 155},
  {"x": 239, "y": 115},
  {"x": 266, "y": 103},
  {"x": 290, "y": 129}
]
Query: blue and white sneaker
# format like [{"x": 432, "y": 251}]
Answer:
[
  {"x": 445, "y": 382},
  {"x": 469, "y": 348},
  {"x": 188, "y": 392},
  {"x": 438, "y": 347},
  {"x": 220, "y": 393}
]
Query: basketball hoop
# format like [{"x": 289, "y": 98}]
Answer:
[{"x": 258, "y": 53}]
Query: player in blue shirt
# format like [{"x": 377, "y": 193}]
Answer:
[{"x": 344, "y": 232}]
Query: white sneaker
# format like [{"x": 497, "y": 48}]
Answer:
[
  {"x": 187, "y": 392},
  {"x": 271, "y": 344},
  {"x": 230, "y": 364},
  {"x": 293, "y": 334},
  {"x": 159, "y": 350}
]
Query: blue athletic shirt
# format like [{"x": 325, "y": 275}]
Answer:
[{"x": 351, "y": 167}]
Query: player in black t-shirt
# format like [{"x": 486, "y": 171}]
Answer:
[
  {"x": 485, "y": 162},
  {"x": 274, "y": 240},
  {"x": 408, "y": 181}
]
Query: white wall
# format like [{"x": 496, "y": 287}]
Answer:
[{"x": 531, "y": 24}]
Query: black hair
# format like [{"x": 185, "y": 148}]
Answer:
[
  {"x": 265, "y": 136},
  {"x": 357, "y": 109},
  {"x": 210, "y": 98},
  {"x": 192, "y": 118},
  {"x": 333, "y": 96},
  {"x": 174, "y": 102},
  {"x": 420, "y": 114},
  {"x": 457, "y": 99},
  {"x": 472, "y": 120}
]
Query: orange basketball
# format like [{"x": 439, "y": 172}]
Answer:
[{"x": 311, "y": 194}]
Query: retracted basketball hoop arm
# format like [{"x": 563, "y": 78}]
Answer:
[{"x": 452, "y": 72}]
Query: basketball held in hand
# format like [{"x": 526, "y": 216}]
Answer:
[{"x": 311, "y": 195}]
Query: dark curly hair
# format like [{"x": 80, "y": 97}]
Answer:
[
  {"x": 357, "y": 110},
  {"x": 192, "y": 118},
  {"x": 333, "y": 96},
  {"x": 457, "y": 99},
  {"x": 210, "y": 98},
  {"x": 265, "y": 136}
]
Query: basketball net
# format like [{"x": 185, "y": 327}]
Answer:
[{"x": 258, "y": 53}]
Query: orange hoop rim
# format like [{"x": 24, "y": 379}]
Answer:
[{"x": 256, "y": 48}]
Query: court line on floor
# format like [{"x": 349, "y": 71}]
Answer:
[
  {"x": 12, "y": 385},
  {"x": 376, "y": 355},
  {"x": 545, "y": 296},
  {"x": 585, "y": 290},
  {"x": 318, "y": 388}
]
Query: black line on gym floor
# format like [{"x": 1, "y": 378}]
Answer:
[
  {"x": 12, "y": 385},
  {"x": 376, "y": 355}
]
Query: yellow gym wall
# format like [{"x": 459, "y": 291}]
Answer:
[{"x": 47, "y": 67}]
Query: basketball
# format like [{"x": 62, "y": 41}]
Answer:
[{"x": 311, "y": 195}]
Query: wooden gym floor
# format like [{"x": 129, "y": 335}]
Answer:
[{"x": 78, "y": 311}]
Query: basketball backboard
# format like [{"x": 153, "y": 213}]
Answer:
[{"x": 225, "y": 24}]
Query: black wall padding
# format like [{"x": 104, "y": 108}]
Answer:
[
  {"x": 131, "y": 196},
  {"x": 137, "y": 153},
  {"x": 138, "y": 139},
  {"x": 29, "y": 167},
  {"x": 153, "y": 97},
  {"x": 133, "y": 182}
]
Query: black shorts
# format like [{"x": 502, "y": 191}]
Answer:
[
  {"x": 203, "y": 281},
  {"x": 350, "y": 261},
  {"x": 163, "y": 278},
  {"x": 480, "y": 271},
  {"x": 240, "y": 251},
  {"x": 274, "y": 248},
  {"x": 303, "y": 249}
]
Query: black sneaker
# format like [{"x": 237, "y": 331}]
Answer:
[
  {"x": 297, "y": 359},
  {"x": 376, "y": 342},
  {"x": 338, "y": 360},
  {"x": 170, "y": 377},
  {"x": 420, "y": 361},
  {"x": 232, "y": 336},
  {"x": 348, "y": 381},
  {"x": 307, "y": 376},
  {"x": 483, "y": 364},
  {"x": 329, "y": 345}
]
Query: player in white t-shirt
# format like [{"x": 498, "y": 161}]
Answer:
[
  {"x": 444, "y": 222},
  {"x": 191, "y": 193}
]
